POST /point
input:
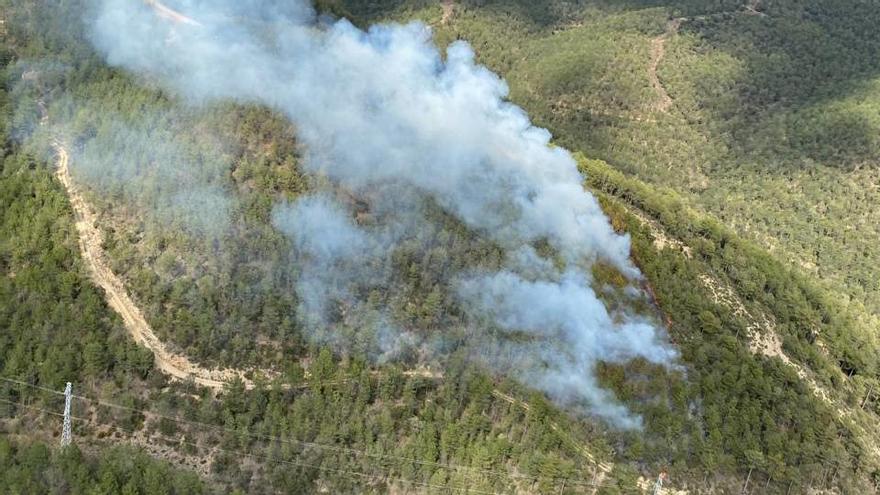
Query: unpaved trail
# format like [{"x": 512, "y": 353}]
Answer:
[
  {"x": 175, "y": 365},
  {"x": 170, "y": 14},
  {"x": 763, "y": 339},
  {"x": 658, "y": 51},
  {"x": 661, "y": 239},
  {"x": 448, "y": 10},
  {"x": 90, "y": 243},
  {"x": 761, "y": 331},
  {"x": 752, "y": 8}
]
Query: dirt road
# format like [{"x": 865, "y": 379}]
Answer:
[
  {"x": 90, "y": 243},
  {"x": 658, "y": 48},
  {"x": 172, "y": 15},
  {"x": 658, "y": 51},
  {"x": 448, "y": 10}
]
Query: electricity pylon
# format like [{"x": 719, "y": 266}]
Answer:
[
  {"x": 658, "y": 485},
  {"x": 65, "y": 429}
]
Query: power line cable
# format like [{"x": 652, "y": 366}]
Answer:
[
  {"x": 569, "y": 481},
  {"x": 358, "y": 474},
  {"x": 329, "y": 447}
]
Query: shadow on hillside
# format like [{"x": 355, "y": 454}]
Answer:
[
  {"x": 365, "y": 13},
  {"x": 800, "y": 57},
  {"x": 537, "y": 14},
  {"x": 803, "y": 61},
  {"x": 805, "y": 94}
]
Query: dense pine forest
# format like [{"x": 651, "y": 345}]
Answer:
[{"x": 746, "y": 175}]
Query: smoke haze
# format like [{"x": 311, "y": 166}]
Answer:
[
  {"x": 142, "y": 161},
  {"x": 385, "y": 117}
]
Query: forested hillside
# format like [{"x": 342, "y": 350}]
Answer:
[
  {"x": 773, "y": 117},
  {"x": 35, "y": 468},
  {"x": 735, "y": 142}
]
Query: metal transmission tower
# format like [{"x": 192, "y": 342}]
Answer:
[
  {"x": 658, "y": 485},
  {"x": 65, "y": 429}
]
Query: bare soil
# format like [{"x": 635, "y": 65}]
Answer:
[
  {"x": 658, "y": 51},
  {"x": 170, "y": 14},
  {"x": 448, "y": 10},
  {"x": 91, "y": 247}
]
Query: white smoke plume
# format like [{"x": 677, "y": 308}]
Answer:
[
  {"x": 143, "y": 163},
  {"x": 382, "y": 114}
]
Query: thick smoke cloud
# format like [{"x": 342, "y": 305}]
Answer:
[
  {"x": 382, "y": 114},
  {"x": 142, "y": 162}
]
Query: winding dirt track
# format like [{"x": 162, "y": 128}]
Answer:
[
  {"x": 169, "y": 14},
  {"x": 658, "y": 51},
  {"x": 448, "y": 10},
  {"x": 173, "y": 364},
  {"x": 176, "y": 365},
  {"x": 90, "y": 244},
  {"x": 179, "y": 366}
]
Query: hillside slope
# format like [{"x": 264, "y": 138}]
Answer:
[{"x": 753, "y": 230}]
